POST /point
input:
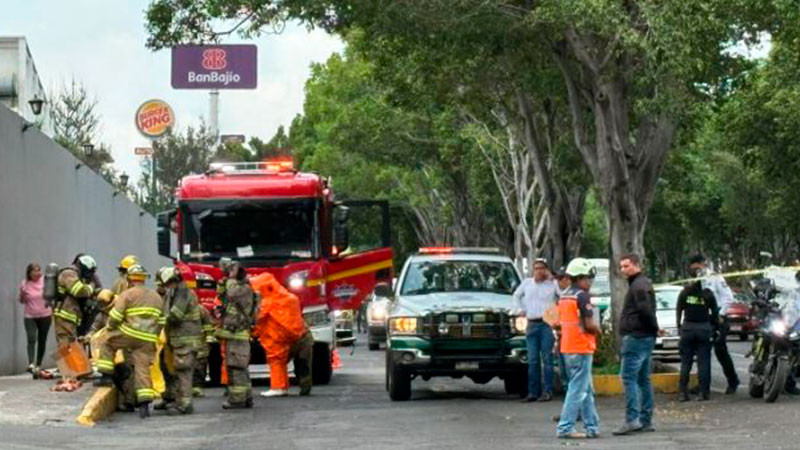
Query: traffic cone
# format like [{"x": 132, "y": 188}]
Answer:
[{"x": 337, "y": 363}]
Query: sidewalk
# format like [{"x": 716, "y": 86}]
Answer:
[{"x": 24, "y": 401}]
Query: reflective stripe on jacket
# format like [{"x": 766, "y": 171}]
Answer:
[{"x": 138, "y": 313}]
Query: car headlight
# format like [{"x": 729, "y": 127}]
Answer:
[
  {"x": 205, "y": 281},
  {"x": 777, "y": 327},
  {"x": 377, "y": 313},
  {"x": 520, "y": 324},
  {"x": 297, "y": 280},
  {"x": 403, "y": 325}
]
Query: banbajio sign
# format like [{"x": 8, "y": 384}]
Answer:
[{"x": 214, "y": 66}]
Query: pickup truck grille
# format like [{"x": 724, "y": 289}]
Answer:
[{"x": 489, "y": 325}]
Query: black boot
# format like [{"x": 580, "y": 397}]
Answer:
[
  {"x": 144, "y": 410},
  {"x": 683, "y": 397},
  {"x": 104, "y": 381}
]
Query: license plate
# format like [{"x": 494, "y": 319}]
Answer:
[
  {"x": 672, "y": 343},
  {"x": 467, "y": 365},
  {"x": 736, "y": 328}
]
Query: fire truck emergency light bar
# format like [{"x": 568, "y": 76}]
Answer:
[
  {"x": 244, "y": 168},
  {"x": 451, "y": 250}
]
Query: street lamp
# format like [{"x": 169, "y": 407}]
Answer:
[
  {"x": 88, "y": 150},
  {"x": 36, "y": 105}
]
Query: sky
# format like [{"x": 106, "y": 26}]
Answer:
[{"x": 100, "y": 43}]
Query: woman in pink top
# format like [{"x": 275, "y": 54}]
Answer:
[{"x": 37, "y": 315}]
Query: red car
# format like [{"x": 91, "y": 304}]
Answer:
[{"x": 740, "y": 318}]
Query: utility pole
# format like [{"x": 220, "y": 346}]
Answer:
[
  {"x": 154, "y": 188},
  {"x": 213, "y": 114}
]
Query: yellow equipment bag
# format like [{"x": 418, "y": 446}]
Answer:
[{"x": 156, "y": 376}]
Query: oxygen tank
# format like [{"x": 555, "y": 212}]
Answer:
[{"x": 50, "y": 283}]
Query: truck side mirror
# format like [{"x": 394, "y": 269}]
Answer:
[
  {"x": 341, "y": 233},
  {"x": 383, "y": 290},
  {"x": 163, "y": 220}
]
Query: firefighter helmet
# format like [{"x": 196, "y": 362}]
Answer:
[
  {"x": 167, "y": 274},
  {"x": 105, "y": 295},
  {"x": 126, "y": 262},
  {"x": 137, "y": 273}
]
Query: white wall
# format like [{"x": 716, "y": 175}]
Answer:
[{"x": 49, "y": 211}]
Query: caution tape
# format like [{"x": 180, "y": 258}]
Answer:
[{"x": 741, "y": 273}]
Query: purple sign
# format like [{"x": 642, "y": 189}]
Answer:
[{"x": 214, "y": 66}]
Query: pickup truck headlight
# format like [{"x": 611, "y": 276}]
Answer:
[
  {"x": 520, "y": 324},
  {"x": 403, "y": 325}
]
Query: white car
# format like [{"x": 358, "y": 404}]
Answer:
[{"x": 666, "y": 303}]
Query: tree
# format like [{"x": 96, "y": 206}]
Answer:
[
  {"x": 629, "y": 69},
  {"x": 176, "y": 155},
  {"x": 75, "y": 123}
]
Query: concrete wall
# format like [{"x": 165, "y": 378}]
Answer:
[{"x": 50, "y": 211}]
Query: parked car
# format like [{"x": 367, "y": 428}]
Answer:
[
  {"x": 453, "y": 315},
  {"x": 740, "y": 317},
  {"x": 376, "y": 322},
  {"x": 666, "y": 348}
]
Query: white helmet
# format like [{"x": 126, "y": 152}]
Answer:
[{"x": 581, "y": 267}]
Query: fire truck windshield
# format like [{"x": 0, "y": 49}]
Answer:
[{"x": 249, "y": 230}]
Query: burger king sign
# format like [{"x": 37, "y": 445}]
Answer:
[{"x": 154, "y": 118}]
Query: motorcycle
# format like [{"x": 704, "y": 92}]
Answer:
[{"x": 776, "y": 347}]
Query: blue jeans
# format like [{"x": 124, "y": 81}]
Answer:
[
  {"x": 539, "y": 338},
  {"x": 635, "y": 372},
  {"x": 580, "y": 396}
]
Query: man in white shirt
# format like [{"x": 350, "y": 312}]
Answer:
[
  {"x": 534, "y": 296},
  {"x": 724, "y": 297}
]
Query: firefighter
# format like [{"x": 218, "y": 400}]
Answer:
[
  {"x": 184, "y": 337},
  {"x": 134, "y": 324},
  {"x": 121, "y": 283},
  {"x": 199, "y": 375},
  {"x": 76, "y": 284},
  {"x": 236, "y": 322},
  {"x": 284, "y": 335}
]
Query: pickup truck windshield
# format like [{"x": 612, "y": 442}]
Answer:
[
  {"x": 426, "y": 277},
  {"x": 248, "y": 230}
]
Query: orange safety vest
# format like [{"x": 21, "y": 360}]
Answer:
[{"x": 573, "y": 338}]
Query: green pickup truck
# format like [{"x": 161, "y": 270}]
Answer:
[{"x": 452, "y": 314}]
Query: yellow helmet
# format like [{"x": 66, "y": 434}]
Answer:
[
  {"x": 137, "y": 273},
  {"x": 105, "y": 295},
  {"x": 128, "y": 261}
]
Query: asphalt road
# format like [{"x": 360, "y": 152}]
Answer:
[{"x": 354, "y": 412}]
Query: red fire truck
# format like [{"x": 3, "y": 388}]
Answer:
[{"x": 273, "y": 218}]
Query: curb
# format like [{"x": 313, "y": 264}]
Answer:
[
  {"x": 100, "y": 406},
  {"x": 665, "y": 383}
]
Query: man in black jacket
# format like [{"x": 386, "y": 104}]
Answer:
[{"x": 639, "y": 328}]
